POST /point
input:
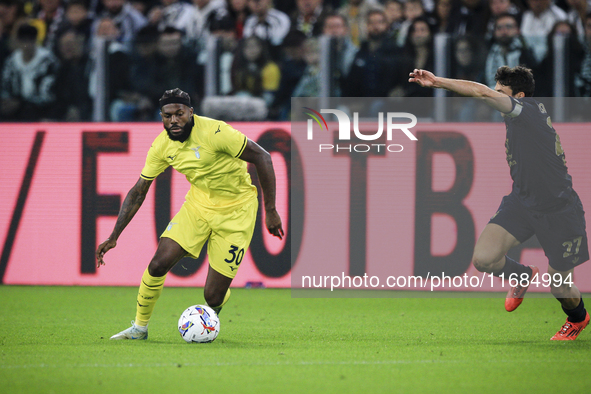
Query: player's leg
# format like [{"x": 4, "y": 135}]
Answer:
[
  {"x": 509, "y": 227},
  {"x": 168, "y": 253},
  {"x": 563, "y": 236},
  {"x": 490, "y": 255},
  {"x": 217, "y": 290},
  {"x": 572, "y": 303},
  {"x": 185, "y": 235},
  {"x": 229, "y": 241},
  {"x": 491, "y": 249}
]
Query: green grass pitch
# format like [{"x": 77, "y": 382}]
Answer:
[{"x": 56, "y": 340}]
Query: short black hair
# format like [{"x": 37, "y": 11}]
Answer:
[
  {"x": 176, "y": 93},
  {"x": 518, "y": 78},
  {"x": 507, "y": 15}
]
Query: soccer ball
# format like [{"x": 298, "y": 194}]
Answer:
[{"x": 199, "y": 323}]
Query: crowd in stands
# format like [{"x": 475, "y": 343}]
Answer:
[{"x": 268, "y": 49}]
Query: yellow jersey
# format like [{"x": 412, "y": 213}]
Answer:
[{"x": 209, "y": 160}]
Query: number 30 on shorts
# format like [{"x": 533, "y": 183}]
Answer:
[{"x": 235, "y": 255}]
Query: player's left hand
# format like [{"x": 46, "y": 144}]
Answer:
[{"x": 273, "y": 222}]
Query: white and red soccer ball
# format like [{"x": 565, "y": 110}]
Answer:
[{"x": 200, "y": 324}]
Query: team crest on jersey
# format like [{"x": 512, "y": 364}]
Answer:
[{"x": 196, "y": 150}]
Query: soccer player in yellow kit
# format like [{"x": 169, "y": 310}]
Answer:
[{"x": 221, "y": 205}]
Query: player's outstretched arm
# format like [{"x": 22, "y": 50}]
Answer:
[
  {"x": 261, "y": 159},
  {"x": 131, "y": 204},
  {"x": 497, "y": 100}
]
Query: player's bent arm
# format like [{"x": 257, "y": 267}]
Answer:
[
  {"x": 132, "y": 203},
  {"x": 261, "y": 159}
]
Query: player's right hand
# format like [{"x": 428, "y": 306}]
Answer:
[
  {"x": 102, "y": 249},
  {"x": 423, "y": 77},
  {"x": 273, "y": 222}
]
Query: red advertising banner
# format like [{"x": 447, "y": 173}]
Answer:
[
  {"x": 62, "y": 185},
  {"x": 399, "y": 211}
]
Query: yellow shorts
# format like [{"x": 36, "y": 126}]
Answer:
[{"x": 228, "y": 231}]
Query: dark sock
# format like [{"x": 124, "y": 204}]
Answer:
[
  {"x": 512, "y": 267},
  {"x": 577, "y": 314}
]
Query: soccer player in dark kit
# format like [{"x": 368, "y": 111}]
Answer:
[{"x": 542, "y": 200}]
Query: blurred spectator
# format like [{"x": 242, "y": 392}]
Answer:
[
  {"x": 127, "y": 19},
  {"x": 468, "y": 59},
  {"x": 139, "y": 103},
  {"x": 175, "y": 65},
  {"x": 204, "y": 9},
  {"x": 577, "y": 11},
  {"x": 442, "y": 15},
  {"x": 508, "y": 49},
  {"x": 178, "y": 14},
  {"x": 413, "y": 9},
  {"x": 335, "y": 25},
  {"x": 355, "y": 11},
  {"x": 467, "y": 63},
  {"x": 583, "y": 79},
  {"x": 77, "y": 19},
  {"x": 12, "y": 15},
  {"x": 574, "y": 55},
  {"x": 418, "y": 53},
  {"x": 50, "y": 15},
  {"x": 73, "y": 104},
  {"x": 309, "y": 17},
  {"x": 222, "y": 26},
  {"x": 309, "y": 84},
  {"x": 28, "y": 79},
  {"x": 469, "y": 17},
  {"x": 292, "y": 70},
  {"x": 395, "y": 15},
  {"x": 500, "y": 7},
  {"x": 373, "y": 71},
  {"x": 118, "y": 62},
  {"x": 253, "y": 72},
  {"x": 239, "y": 12},
  {"x": 540, "y": 18},
  {"x": 266, "y": 23}
]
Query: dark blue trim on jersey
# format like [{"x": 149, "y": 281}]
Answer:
[{"x": 243, "y": 146}]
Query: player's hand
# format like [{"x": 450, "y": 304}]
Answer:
[
  {"x": 423, "y": 77},
  {"x": 102, "y": 249},
  {"x": 273, "y": 222}
]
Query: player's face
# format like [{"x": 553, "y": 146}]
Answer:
[
  {"x": 504, "y": 89},
  {"x": 177, "y": 121}
]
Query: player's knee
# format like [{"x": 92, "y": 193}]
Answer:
[
  {"x": 482, "y": 262},
  {"x": 157, "y": 267},
  {"x": 213, "y": 298}
]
